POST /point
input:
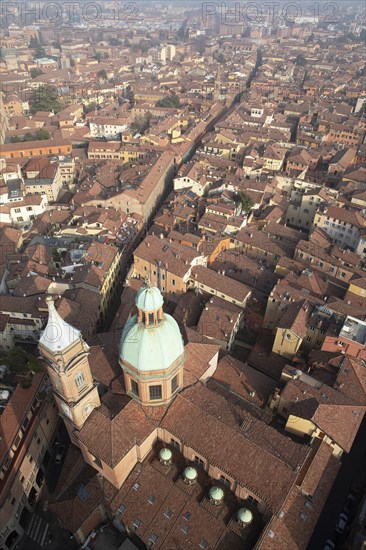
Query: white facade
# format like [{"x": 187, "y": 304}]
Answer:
[
  {"x": 185, "y": 182},
  {"x": 26, "y": 211},
  {"x": 107, "y": 130}
]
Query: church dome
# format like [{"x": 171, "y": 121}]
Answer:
[
  {"x": 151, "y": 348},
  {"x": 152, "y": 351},
  {"x": 149, "y": 299}
]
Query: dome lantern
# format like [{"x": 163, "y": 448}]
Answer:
[{"x": 149, "y": 302}]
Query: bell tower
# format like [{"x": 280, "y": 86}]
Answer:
[{"x": 66, "y": 355}]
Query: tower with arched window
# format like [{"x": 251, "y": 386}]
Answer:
[{"x": 66, "y": 355}]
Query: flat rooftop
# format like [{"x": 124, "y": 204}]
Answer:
[{"x": 354, "y": 329}]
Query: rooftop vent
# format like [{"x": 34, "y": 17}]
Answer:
[
  {"x": 245, "y": 517},
  {"x": 216, "y": 495},
  {"x": 190, "y": 475},
  {"x": 165, "y": 456}
]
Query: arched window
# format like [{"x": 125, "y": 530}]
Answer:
[{"x": 80, "y": 380}]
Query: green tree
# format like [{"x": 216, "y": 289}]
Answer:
[
  {"x": 201, "y": 44},
  {"x": 245, "y": 201},
  {"x": 114, "y": 41},
  {"x": 102, "y": 74},
  {"x": 170, "y": 102},
  {"x": 33, "y": 43},
  {"x": 42, "y": 134},
  {"x": 90, "y": 107},
  {"x": 46, "y": 99},
  {"x": 36, "y": 72},
  {"x": 300, "y": 61},
  {"x": 141, "y": 124},
  {"x": 21, "y": 362},
  {"x": 39, "y": 50}
]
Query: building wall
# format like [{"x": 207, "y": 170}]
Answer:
[
  {"x": 213, "y": 471},
  {"x": 154, "y": 377},
  {"x": 358, "y": 291},
  {"x": 303, "y": 427},
  {"x": 21, "y": 214},
  {"x": 342, "y": 273},
  {"x": 189, "y": 183},
  {"x": 47, "y": 148},
  {"x": 344, "y": 346},
  {"x": 194, "y": 283},
  {"x": 118, "y": 475},
  {"x": 286, "y": 343},
  {"x": 300, "y": 426},
  {"x": 26, "y": 467},
  {"x": 343, "y": 234},
  {"x": 160, "y": 277},
  {"x": 301, "y": 209}
]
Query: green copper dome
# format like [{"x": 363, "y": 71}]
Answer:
[
  {"x": 190, "y": 473},
  {"x": 151, "y": 345},
  {"x": 151, "y": 348},
  {"x": 216, "y": 493},
  {"x": 245, "y": 515},
  {"x": 165, "y": 454},
  {"x": 149, "y": 298}
]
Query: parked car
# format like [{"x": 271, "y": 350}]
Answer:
[
  {"x": 342, "y": 523},
  {"x": 60, "y": 454},
  {"x": 329, "y": 545},
  {"x": 349, "y": 504}
]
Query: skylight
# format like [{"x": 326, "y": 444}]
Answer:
[{"x": 83, "y": 493}]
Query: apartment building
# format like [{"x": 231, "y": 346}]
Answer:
[
  {"x": 107, "y": 127},
  {"x": 166, "y": 263},
  {"x": 348, "y": 339},
  {"x": 22, "y": 319},
  {"x": 343, "y": 226},
  {"x": 42, "y": 177},
  {"x": 36, "y": 148},
  {"x": 143, "y": 197},
  {"x": 24, "y": 211},
  {"x": 28, "y": 424},
  {"x": 305, "y": 199}
]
